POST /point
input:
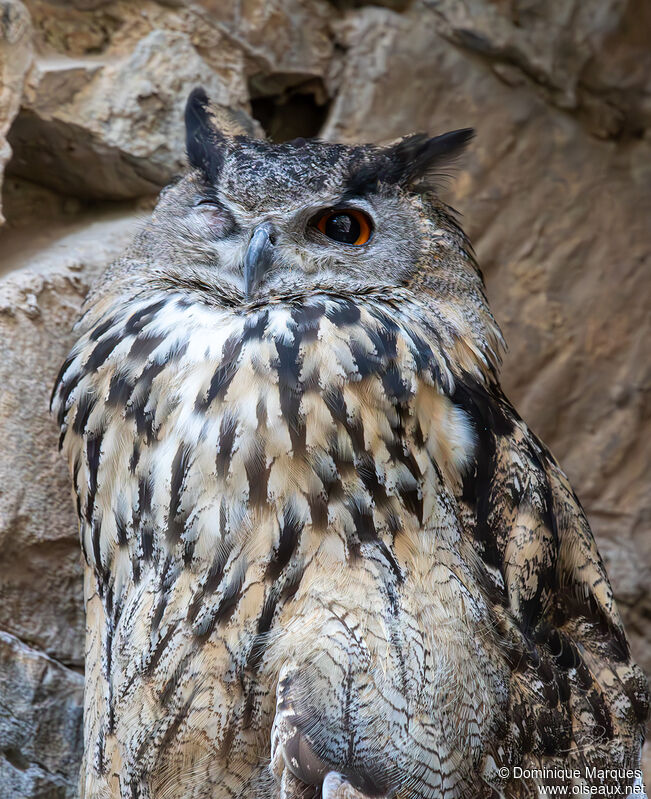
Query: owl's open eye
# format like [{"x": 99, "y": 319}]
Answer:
[{"x": 345, "y": 225}]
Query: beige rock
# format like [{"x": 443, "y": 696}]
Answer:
[
  {"x": 592, "y": 58},
  {"x": 72, "y": 29},
  {"x": 40, "y": 569},
  {"x": 15, "y": 58},
  {"x": 93, "y": 128},
  {"x": 290, "y": 37},
  {"x": 26, "y": 203}
]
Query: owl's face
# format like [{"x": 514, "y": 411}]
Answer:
[
  {"x": 255, "y": 223},
  {"x": 253, "y": 231},
  {"x": 253, "y": 220}
]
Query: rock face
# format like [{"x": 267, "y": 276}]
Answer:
[
  {"x": 125, "y": 118},
  {"x": 555, "y": 193},
  {"x": 15, "y": 58},
  {"x": 41, "y": 605},
  {"x": 42, "y": 734}
]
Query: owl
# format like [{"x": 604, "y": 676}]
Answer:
[{"x": 324, "y": 556}]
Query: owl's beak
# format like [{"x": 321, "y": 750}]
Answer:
[{"x": 258, "y": 258}]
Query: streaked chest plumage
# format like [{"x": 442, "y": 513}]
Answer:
[
  {"x": 334, "y": 414},
  {"x": 262, "y": 479}
]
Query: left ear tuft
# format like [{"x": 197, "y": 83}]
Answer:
[
  {"x": 418, "y": 159},
  {"x": 203, "y": 142}
]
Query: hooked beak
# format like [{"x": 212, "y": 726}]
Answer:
[{"x": 258, "y": 258}]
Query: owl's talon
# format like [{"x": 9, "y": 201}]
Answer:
[{"x": 336, "y": 786}]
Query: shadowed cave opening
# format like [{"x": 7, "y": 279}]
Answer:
[
  {"x": 289, "y": 106},
  {"x": 16, "y": 758}
]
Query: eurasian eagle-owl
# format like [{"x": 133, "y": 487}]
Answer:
[{"x": 324, "y": 554}]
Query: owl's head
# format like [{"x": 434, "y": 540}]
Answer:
[{"x": 254, "y": 222}]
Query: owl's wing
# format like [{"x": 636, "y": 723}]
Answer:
[{"x": 576, "y": 697}]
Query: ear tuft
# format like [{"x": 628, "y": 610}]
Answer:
[
  {"x": 418, "y": 159},
  {"x": 203, "y": 142}
]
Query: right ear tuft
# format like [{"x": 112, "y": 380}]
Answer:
[
  {"x": 203, "y": 141},
  {"x": 418, "y": 158}
]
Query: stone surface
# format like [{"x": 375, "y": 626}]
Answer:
[
  {"x": 125, "y": 118},
  {"x": 41, "y": 598},
  {"x": 281, "y": 36},
  {"x": 40, "y": 565},
  {"x": 15, "y": 58},
  {"x": 589, "y": 58},
  {"x": 41, "y": 736},
  {"x": 555, "y": 193}
]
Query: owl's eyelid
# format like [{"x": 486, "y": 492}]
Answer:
[
  {"x": 319, "y": 213},
  {"x": 207, "y": 202},
  {"x": 345, "y": 206},
  {"x": 216, "y": 214},
  {"x": 207, "y": 195}
]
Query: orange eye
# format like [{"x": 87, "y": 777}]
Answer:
[{"x": 346, "y": 225}]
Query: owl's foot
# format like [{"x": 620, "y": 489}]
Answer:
[
  {"x": 336, "y": 786},
  {"x": 299, "y": 771}
]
